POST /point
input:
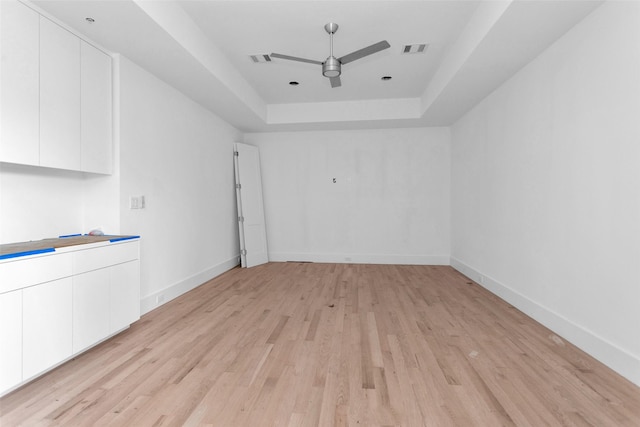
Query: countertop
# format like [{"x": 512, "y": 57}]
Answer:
[{"x": 13, "y": 250}]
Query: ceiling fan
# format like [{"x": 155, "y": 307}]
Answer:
[{"x": 332, "y": 66}]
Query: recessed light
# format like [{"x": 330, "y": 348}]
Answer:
[
  {"x": 385, "y": 78},
  {"x": 90, "y": 20},
  {"x": 294, "y": 83}
]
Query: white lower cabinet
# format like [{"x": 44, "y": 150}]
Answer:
[
  {"x": 11, "y": 339},
  {"x": 90, "y": 308},
  {"x": 46, "y": 326},
  {"x": 57, "y": 305},
  {"x": 124, "y": 299},
  {"x": 104, "y": 302}
]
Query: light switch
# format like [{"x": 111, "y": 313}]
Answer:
[{"x": 136, "y": 202}]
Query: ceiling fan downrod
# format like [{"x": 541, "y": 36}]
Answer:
[{"x": 331, "y": 67}]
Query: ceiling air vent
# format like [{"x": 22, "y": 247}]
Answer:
[
  {"x": 415, "y": 48},
  {"x": 260, "y": 58}
]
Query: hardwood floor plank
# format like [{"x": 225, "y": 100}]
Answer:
[
  {"x": 374, "y": 341},
  {"x": 305, "y": 344}
]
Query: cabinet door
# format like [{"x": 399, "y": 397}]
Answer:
[
  {"x": 59, "y": 97},
  {"x": 46, "y": 326},
  {"x": 19, "y": 85},
  {"x": 11, "y": 339},
  {"x": 95, "y": 92},
  {"x": 90, "y": 308},
  {"x": 124, "y": 300}
]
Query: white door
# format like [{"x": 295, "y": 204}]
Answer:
[{"x": 253, "y": 235}]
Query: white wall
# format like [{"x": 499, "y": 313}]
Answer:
[
  {"x": 545, "y": 188},
  {"x": 38, "y": 203},
  {"x": 180, "y": 157},
  {"x": 389, "y": 204}
]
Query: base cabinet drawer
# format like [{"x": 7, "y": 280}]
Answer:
[
  {"x": 19, "y": 273},
  {"x": 92, "y": 259},
  {"x": 47, "y": 326}
]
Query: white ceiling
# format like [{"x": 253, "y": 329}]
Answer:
[
  {"x": 202, "y": 48},
  {"x": 297, "y": 28}
]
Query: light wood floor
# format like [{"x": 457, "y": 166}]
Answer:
[{"x": 295, "y": 344}]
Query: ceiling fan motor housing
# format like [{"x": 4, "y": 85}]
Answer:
[{"x": 331, "y": 67}]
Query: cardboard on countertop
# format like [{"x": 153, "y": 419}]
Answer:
[{"x": 59, "y": 242}]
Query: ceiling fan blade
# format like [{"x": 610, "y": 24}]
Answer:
[
  {"x": 335, "y": 81},
  {"x": 377, "y": 47},
  {"x": 295, "y": 58}
]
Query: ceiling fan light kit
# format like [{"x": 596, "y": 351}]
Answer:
[{"x": 332, "y": 66}]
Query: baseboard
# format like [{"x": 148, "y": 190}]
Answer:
[
  {"x": 618, "y": 359},
  {"x": 359, "y": 258},
  {"x": 165, "y": 295}
]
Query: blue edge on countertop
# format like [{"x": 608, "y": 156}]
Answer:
[{"x": 44, "y": 251}]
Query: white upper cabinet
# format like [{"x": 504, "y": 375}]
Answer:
[
  {"x": 59, "y": 97},
  {"x": 20, "y": 83},
  {"x": 95, "y": 91},
  {"x": 56, "y": 95}
]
